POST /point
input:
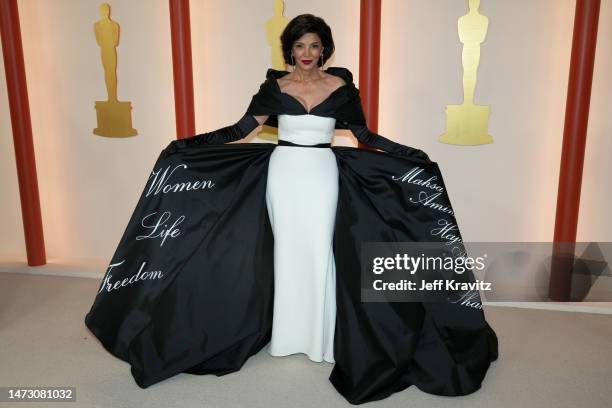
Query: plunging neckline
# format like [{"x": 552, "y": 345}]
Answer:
[{"x": 300, "y": 103}]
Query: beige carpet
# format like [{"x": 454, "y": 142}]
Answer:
[{"x": 547, "y": 359}]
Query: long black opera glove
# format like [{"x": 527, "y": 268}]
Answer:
[
  {"x": 226, "y": 134},
  {"x": 367, "y": 137}
]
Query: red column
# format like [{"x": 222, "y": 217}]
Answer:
[
  {"x": 574, "y": 141},
  {"x": 369, "y": 61},
  {"x": 19, "y": 107},
  {"x": 182, "y": 69}
]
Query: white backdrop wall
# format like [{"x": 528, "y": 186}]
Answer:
[{"x": 505, "y": 191}]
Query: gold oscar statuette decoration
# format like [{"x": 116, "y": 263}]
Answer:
[
  {"x": 114, "y": 117},
  {"x": 468, "y": 123},
  {"x": 274, "y": 28}
]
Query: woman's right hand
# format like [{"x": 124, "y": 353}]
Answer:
[{"x": 224, "y": 135}]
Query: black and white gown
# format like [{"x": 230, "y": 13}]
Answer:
[
  {"x": 301, "y": 198},
  {"x": 233, "y": 247}
]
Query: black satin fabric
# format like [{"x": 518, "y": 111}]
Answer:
[
  {"x": 210, "y": 305},
  {"x": 343, "y": 104},
  {"x": 382, "y": 348},
  {"x": 288, "y": 143},
  {"x": 213, "y": 306}
]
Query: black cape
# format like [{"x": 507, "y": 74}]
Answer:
[{"x": 190, "y": 287}]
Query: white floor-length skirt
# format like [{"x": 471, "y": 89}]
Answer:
[{"x": 301, "y": 198}]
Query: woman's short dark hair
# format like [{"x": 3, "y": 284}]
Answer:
[{"x": 307, "y": 23}]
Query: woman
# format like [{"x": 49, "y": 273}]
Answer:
[{"x": 261, "y": 245}]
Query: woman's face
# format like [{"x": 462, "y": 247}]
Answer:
[{"x": 307, "y": 51}]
